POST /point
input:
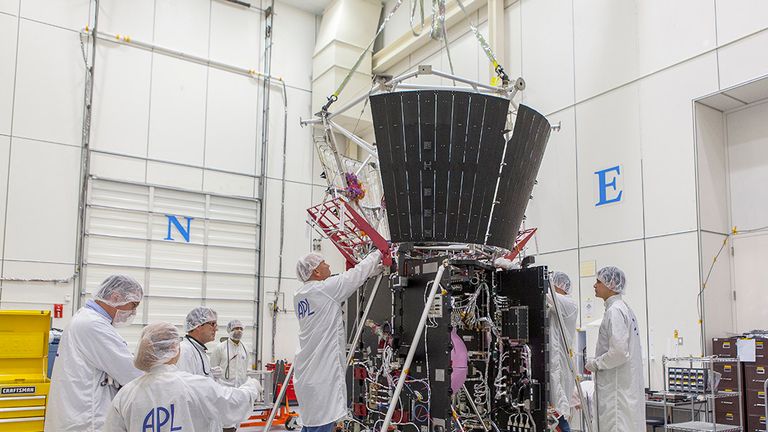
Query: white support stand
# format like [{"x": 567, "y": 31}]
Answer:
[
  {"x": 361, "y": 324},
  {"x": 414, "y": 345},
  {"x": 279, "y": 399}
]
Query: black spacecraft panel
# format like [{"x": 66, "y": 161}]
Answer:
[
  {"x": 521, "y": 165},
  {"x": 440, "y": 152}
]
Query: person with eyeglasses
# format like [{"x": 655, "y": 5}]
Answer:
[
  {"x": 201, "y": 327},
  {"x": 93, "y": 361}
]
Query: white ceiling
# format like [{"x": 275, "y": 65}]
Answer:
[
  {"x": 739, "y": 96},
  {"x": 314, "y": 6}
]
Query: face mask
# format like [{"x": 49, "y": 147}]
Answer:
[
  {"x": 123, "y": 318},
  {"x": 236, "y": 335}
]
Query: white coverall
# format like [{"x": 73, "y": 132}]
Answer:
[
  {"x": 233, "y": 360},
  {"x": 321, "y": 359},
  {"x": 93, "y": 360},
  {"x": 619, "y": 378},
  {"x": 561, "y": 381},
  {"x": 194, "y": 357},
  {"x": 167, "y": 399}
]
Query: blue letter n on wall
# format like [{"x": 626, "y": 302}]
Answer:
[
  {"x": 606, "y": 179},
  {"x": 174, "y": 222}
]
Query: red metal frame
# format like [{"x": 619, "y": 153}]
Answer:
[
  {"x": 344, "y": 226},
  {"x": 520, "y": 241}
]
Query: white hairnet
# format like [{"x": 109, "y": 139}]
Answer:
[
  {"x": 118, "y": 290},
  {"x": 158, "y": 343},
  {"x": 562, "y": 281},
  {"x": 234, "y": 323},
  {"x": 199, "y": 316},
  {"x": 306, "y": 264},
  {"x": 613, "y": 278}
]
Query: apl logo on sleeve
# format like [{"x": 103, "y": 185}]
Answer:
[{"x": 17, "y": 390}]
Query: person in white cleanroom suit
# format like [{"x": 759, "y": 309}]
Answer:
[
  {"x": 561, "y": 381},
  {"x": 200, "y": 326},
  {"x": 93, "y": 360},
  {"x": 229, "y": 360},
  {"x": 320, "y": 360},
  {"x": 618, "y": 362},
  {"x": 167, "y": 399}
]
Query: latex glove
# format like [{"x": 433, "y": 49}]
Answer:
[
  {"x": 591, "y": 365},
  {"x": 505, "y": 264},
  {"x": 217, "y": 372},
  {"x": 254, "y": 387}
]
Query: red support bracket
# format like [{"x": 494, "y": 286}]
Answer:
[
  {"x": 348, "y": 230},
  {"x": 520, "y": 241}
]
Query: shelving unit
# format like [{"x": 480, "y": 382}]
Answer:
[{"x": 709, "y": 395}]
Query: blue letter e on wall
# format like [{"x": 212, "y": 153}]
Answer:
[
  {"x": 174, "y": 222},
  {"x": 607, "y": 190}
]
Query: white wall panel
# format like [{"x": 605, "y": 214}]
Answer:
[
  {"x": 134, "y": 18},
  {"x": 172, "y": 175},
  {"x": 736, "y": 19},
  {"x": 8, "y": 29},
  {"x": 428, "y": 55},
  {"x": 718, "y": 300},
  {"x": 300, "y": 147},
  {"x": 287, "y": 340},
  {"x": 712, "y": 169},
  {"x": 120, "y": 119},
  {"x": 183, "y": 25},
  {"x": 71, "y": 14},
  {"x": 175, "y": 284},
  {"x": 228, "y": 184},
  {"x": 116, "y": 252},
  {"x": 293, "y": 45},
  {"x": 750, "y": 252},
  {"x": 42, "y": 202},
  {"x": 228, "y": 310},
  {"x": 229, "y": 234},
  {"x": 738, "y": 62},
  {"x": 38, "y": 296},
  {"x": 229, "y": 260},
  {"x": 177, "y": 256},
  {"x": 747, "y": 138},
  {"x": 9, "y": 6},
  {"x": 606, "y": 46},
  {"x": 667, "y": 135},
  {"x": 118, "y": 167},
  {"x": 670, "y": 32},
  {"x": 607, "y": 135},
  {"x": 173, "y": 310},
  {"x": 241, "y": 287},
  {"x": 160, "y": 229},
  {"x": 400, "y": 22},
  {"x": 49, "y": 84},
  {"x": 297, "y": 237},
  {"x": 464, "y": 47},
  {"x": 119, "y": 195},
  {"x": 628, "y": 256},
  {"x": 37, "y": 270},
  {"x": 102, "y": 221},
  {"x": 235, "y": 35},
  {"x": 553, "y": 209},
  {"x": 547, "y": 54},
  {"x": 235, "y": 210},
  {"x": 179, "y": 202},
  {"x": 5, "y": 154},
  {"x": 673, "y": 284},
  {"x": 514, "y": 40},
  {"x": 177, "y": 116},
  {"x": 232, "y": 114}
]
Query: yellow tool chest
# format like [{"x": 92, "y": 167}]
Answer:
[{"x": 23, "y": 366}]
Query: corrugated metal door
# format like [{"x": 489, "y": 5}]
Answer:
[{"x": 188, "y": 249}]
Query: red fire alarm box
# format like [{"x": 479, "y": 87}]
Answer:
[{"x": 58, "y": 310}]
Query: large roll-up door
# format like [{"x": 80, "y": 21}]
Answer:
[{"x": 188, "y": 249}]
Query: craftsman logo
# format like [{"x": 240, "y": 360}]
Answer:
[
  {"x": 303, "y": 309},
  {"x": 17, "y": 390}
]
